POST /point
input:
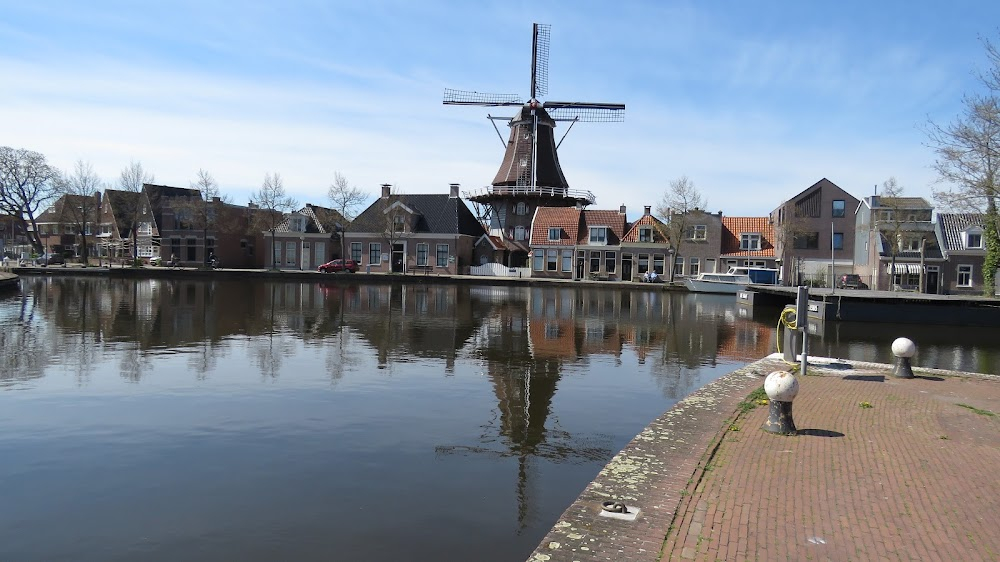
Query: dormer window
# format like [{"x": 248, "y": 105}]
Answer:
[
  {"x": 974, "y": 239},
  {"x": 645, "y": 234},
  {"x": 398, "y": 223},
  {"x": 750, "y": 241},
  {"x": 554, "y": 234},
  {"x": 598, "y": 235}
]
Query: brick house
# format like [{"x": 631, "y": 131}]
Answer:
[
  {"x": 403, "y": 233},
  {"x": 599, "y": 243},
  {"x": 700, "y": 244},
  {"x": 554, "y": 235},
  {"x": 305, "y": 239},
  {"x": 897, "y": 242},
  {"x": 59, "y": 226},
  {"x": 747, "y": 242},
  {"x": 813, "y": 228},
  {"x": 964, "y": 245},
  {"x": 645, "y": 247}
]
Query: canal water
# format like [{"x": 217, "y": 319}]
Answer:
[{"x": 223, "y": 420}]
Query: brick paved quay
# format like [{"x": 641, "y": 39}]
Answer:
[{"x": 912, "y": 477}]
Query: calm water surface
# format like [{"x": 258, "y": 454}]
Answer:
[{"x": 164, "y": 420}]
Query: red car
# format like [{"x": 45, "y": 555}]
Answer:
[{"x": 338, "y": 265}]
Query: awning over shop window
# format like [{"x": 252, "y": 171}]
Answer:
[{"x": 901, "y": 268}]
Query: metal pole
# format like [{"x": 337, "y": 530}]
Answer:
[
  {"x": 833, "y": 263},
  {"x": 802, "y": 323}
]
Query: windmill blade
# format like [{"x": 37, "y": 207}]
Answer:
[
  {"x": 540, "y": 60},
  {"x": 586, "y": 111},
  {"x": 466, "y": 97}
]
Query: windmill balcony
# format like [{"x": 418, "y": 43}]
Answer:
[{"x": 491, "y": 191}]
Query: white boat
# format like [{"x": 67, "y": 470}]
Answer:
[{"x": 726, "y": 283}]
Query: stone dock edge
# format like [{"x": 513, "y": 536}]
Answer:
[{"x": 661, "y": 467}]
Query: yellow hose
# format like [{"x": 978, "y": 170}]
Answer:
[{"x": 783, "y": 320}]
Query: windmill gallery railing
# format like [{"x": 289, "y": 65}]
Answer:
[{"x": 530, "y": 190}]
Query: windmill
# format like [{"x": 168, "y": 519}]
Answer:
[{"x": 530, "y": 172}]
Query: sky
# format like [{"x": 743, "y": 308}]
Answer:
[{"x": 752, "y": 101}]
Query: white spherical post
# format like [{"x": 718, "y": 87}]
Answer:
[
  {"x": 903, "y": 349},
  {"x": 781, "y": 388}
]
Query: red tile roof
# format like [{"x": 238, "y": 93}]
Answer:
[
  {"x": 614, "y": 220},
  {"x": 660, "y": 233},
  {"x": 565, "y": 218},
  {"x": 733, "y": 227}
]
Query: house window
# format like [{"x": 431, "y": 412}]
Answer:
[
  {"x": 105, "y": 229},
  {"x": 567, "y": 261},
  {"x": 679, "y": 266},
  {"x": 374, "y": 253},
  {"x": 519, "y": 233},
  {"x": 538, "y": 260},
  {"x": 192, "y": 250},
  {"x": 145, "y": 229},
  {"x": 911, "y": 245},
  {"x": 645, "y": 234},
  {"x": 86, "y": 229},
  {"x": 598, "y": 235},
  {"x": 838, "y": 208},
  {"x": 694, "y": 266},
  {"x": 521, "y": 208},
  {"x": 442, "y": 255},
  {"x": 806, "y": 241},
  {"x": 838, "y": 240},
  {"x": 643, "y": 263},
  {"x": 422, "y": 251},
  {"x": 595, "y": 262},
  {"x": 356, "y": 252},
  {"x": 398, "y": 223},
  {"x": 749, "y": 241},
  {"x": 697, "y": 232},
  {"x": 290, "y": 253},
  {"x": 965, "y": 276},
  {"x": 658, "y": 264},
  {"x": 610, "y": 261},
  {"x": 974, "y": 240},
  {"x": 554, "y": 233},
  {"x": 550, "y": 261}
]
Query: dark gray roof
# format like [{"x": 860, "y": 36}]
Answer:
[
  {"x": 952, "y": 225},
  {"x": 904, "y": 202},
  {"x": 437, "y": 214}
]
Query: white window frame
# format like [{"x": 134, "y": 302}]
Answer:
[
  {"x": 645, "y": 234},
  {"x": 598, "y": 235},
  {"x": 554, "y": 233},
  {"x": 520, "y": 233},
  {"x": 291, "y": 250},
  {"x": 694, "y": 266},
  {"x": 699, "y": 232},
  {"x": 441, "y": 255},
  {"x": 375, "y": 249},
  {"x": 538, "y": 260},
  {"x": 357, "y": 248},
  {"x": 567, "y": 261},
  {"x": 521, "y": 208},
  {"x": 423, "y": 251},
  {"x": 965, "y": 271},
  {"x": 750, "y": 241},
  {"x": 551, "y": 259},
  {"x": 968, "y": 240}
]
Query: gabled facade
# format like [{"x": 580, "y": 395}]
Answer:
[
  {"x": 964, "y": 244},
  {"x": 115, "y": 239},
  {"x": 814, "y": 234},
  {"x": 645, "y": 247},
  {"x": 306, "y": 239},
  {"x": 177, "y": 224},
  {"x": 598, "y": 243},
  {"x": 897, "y": 244},
  {"x": 404, "y": 233},
  {"x": 554, "y": 235},
  {"x": 747, "y": 242}
]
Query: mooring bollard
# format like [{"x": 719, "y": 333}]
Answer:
[
  {"x": 781, "y": 388},
  {"x": 903, "y": 349}
]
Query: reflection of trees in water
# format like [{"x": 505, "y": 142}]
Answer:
[{"x": 21, "y": 341}]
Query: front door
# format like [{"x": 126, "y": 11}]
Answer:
[
  {"x": 305, "y": 257},
  {"x": 627, "y": 267},
  {"x": 932, "y": 281},
  {"x": 398, "y": 251}
]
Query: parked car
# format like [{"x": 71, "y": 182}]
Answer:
[
  {"x": 50, "y": 259},
  {"x": 851, "y": 281},
  {"x": 338, "y": 265}
]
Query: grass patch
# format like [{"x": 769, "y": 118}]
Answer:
[
  {"x": 756, "y": 398},
  {"x": 979, "y": 411},
  {"x": 865, "y": 405}
]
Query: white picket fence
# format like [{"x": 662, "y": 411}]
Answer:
[{"x": 500, "y": 270}]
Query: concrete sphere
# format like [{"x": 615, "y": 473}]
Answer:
[
  {"x": 781, "y": 386},
  {"x": 904, "y": 347}
]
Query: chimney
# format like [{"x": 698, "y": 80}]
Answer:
[
  {"x": 621, "y": 210},
  {"x": 385, "y": 190},
  {"x": 453, "y": 191},
  {"x": 217, "y": 200},
  {"x": 646, "y": 210},
  {"x": 579, "y": 206}
]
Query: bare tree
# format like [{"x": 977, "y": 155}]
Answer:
[
  {"x": 81, "y": 202},
  {"x": 27, "y": 183},
  {"x": 679, "y": 201},
  {"x": 272, "y": 203},
  {"x": 208, "y": 212},
  {"x": 891, "y": 221},
  {"x": 131, "y": 181},
  {"x": 968, "y": 160},
  {"x": 346, "y": 198},
  {"x": 396, "y": 224}
]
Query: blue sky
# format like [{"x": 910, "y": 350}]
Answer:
[{"x": 754, "y": 101}]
